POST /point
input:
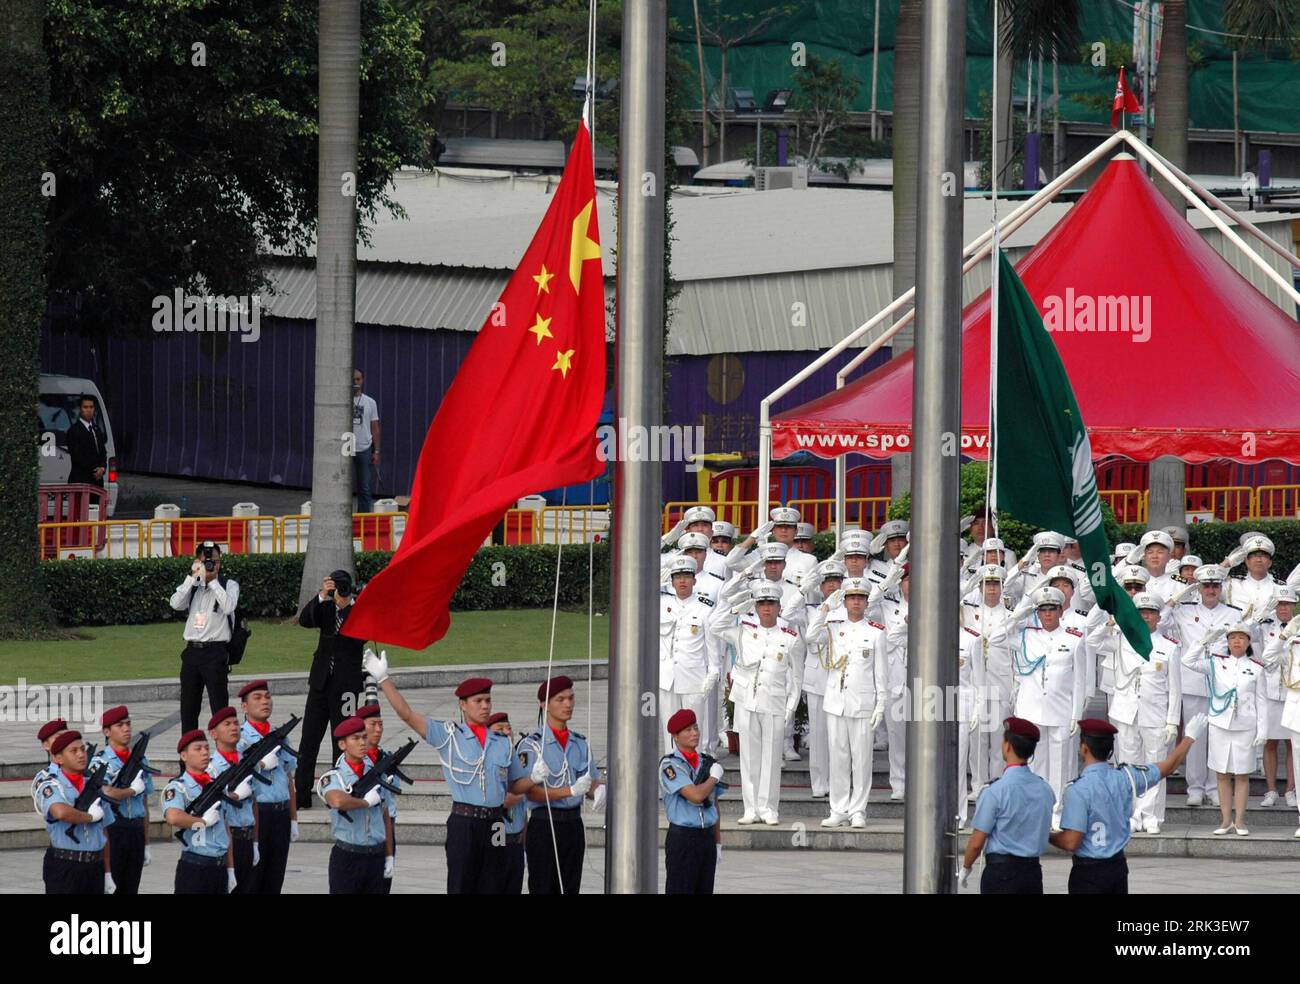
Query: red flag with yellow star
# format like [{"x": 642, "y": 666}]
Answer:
[{"x": 519, "y": 417}]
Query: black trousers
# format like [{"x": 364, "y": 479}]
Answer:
[
  {"x": 273, "y": 842},
  {"x": 690, "y": 860},
  {"x": 200, "y": 879},
  {"x": 570, "y": 844},
  {"x": 323, "y": 714},
  {"x": 126, "y": 854},
  {"x": 72, "y": 877},
  {"x": 1108, "y": 877},
  {"x": 200, "y": 669},
  {"x": 475, "y": 866},
  {"x": 514, "y": 868},
  {"x": 245, "y": 872},
  {"x": 356, "y": 874},
  {"x": 1006, "y": 874}
]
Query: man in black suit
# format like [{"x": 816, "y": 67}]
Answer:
[
  {"x": 86, "y": 447},
  {"x": 336, "y": 680}
]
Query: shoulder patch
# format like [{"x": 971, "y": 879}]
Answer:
[
  {"x": 670, "y": 772},
  {"x": 169, "y": 793},
  {"x": 47, "y": 790}
]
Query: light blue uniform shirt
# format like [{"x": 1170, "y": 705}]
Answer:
[
  {"x": 367, "y": 826},
  {"x": 1015, "y": 811},
  {"x": 476, "y": 774},
  {"x": 133, "y": 807},
  {"x": 90, "y": 836},
  {"x": 564, "y": 763},
  {"x": 278, "y": 790},
  {"x": 675, "y": 775},
  {"x": 211, "y": 842},
  {"x": 37, "y": 781},
  {"x": 236, "y": 816},
  {"x": 1100, "y": 802}
]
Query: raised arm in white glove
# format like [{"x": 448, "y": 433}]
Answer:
[
  {"x": 672, "y": 536},
  {"x": 1197, "y": 726},
  {"x": 762, "y": 531},
  {"x": 834, "y": 600},
  {"x": 1292, "y": 627},
  {"x": 376, "y": 666},
  {"x": 1135, "y": 555},
  {"x": 1234, "y": 558}
]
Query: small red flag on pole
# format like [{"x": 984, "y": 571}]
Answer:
[{"x": 1125, "y": 101}]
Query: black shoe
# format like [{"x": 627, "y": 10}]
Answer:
[{"x": 304, "y": 801}]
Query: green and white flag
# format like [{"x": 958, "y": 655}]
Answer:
[{"x": 1044, "y": 460}]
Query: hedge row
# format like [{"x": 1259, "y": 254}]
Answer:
[{"x": 122, "y": 592}]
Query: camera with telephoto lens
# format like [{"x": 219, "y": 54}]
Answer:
[
  {"x": 208, "y": 552},
  {"x": 342, "y": 584}
]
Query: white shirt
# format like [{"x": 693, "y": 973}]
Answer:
[
  {"x": 1236, "y": 682},
  {"x": 364, "y": 412},
  {"x": 1148, "y": 692},
  {"x": 767, "y": 675},
  {"x": 798, "y": 565},
  {"x": 686, "y": 653},
  {"x": 208, "y": 606},
  {"x": 855, "y": 661},
  {"x": 1049, "y": 672},
  {"x": 1192, "y": 620},
  {"x": 1283, "y": 658}
]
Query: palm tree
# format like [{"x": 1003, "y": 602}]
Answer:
[{"x": 330, "y": 544}]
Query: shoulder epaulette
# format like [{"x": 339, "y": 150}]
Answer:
[
  {"x": 786, "y": 628},
  {"x": 1171, "y": 638},
  {"x": 1235, "y": 608},
  {"x": 970, "y": 630},
  {"x": 715, "y": 574},
  {"x": 577, "y": 734},
  {"x": 1181, "y": 603},
  {"x": 1081, "y": 611},
  {"x": 971, "y": 604},
  {"x": 1254, "y": 660},
  {"x": 704, "y": 599},
  {"x": 1074, "y": 632},
  {"x": 749, "y": 624},
  {"x": 876, "y": 624}
]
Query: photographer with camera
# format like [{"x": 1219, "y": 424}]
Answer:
[
  {"x": 209, "y": 599},
  {"x": 336, "y": 680}
]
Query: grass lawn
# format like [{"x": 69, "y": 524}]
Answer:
[{"x": 128, "y": 652}]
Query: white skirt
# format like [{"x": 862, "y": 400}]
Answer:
[
  {"x": 1231, "y": 752},
  {"x": 1271, "y": 713}
]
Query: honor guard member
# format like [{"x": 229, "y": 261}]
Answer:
[
  {"x": 128, "y": 847},
  {"x": 1252, "y": 591},
  {"x": 1101, "y": 627},
  {"x": 241, "y": 818},
  {"x": 696, "y": 519},
  {"x": 1192, "y": 621},
  {"x": 829, "y": 577},
  {"x": 559, "y": 770},
  {"x": 1147, "y": 706},
  {"x": 688, "y": 785},
  {"x": 775, "y": 568},
  {"x": 1275, "y": 691},
  {"x": 854, "y": 704},
  {"x": 992, "y": 663},
  {"x": 689, "y": 663},
  {"x": 785, "y": 529},
  {"x": 1074, "y": 619},
  {"x": 1073, "y": 559},
  {"x": 722, "y": 538},
  {"x": 803, "y": 542},
  {"x": 1095, "y": 818},
  {"x": 478, "y": 765},
  {"x": 1178, "y": 537},
  {"x": 765, "y": 690},
  {"x": 1153, "y": 552},
  {"x": 1186, "y": 572},
  {"x": 710, "y": 577},
  {"x": 359, "y": 857},
  {"x": 277, "y": 806},
  {"x": 894, "y": 609},
  {"x": 79, "y": 866},
  {"x": 516, "y": 816},
  {"x": 207, "y": 862},
  {"x": 1026, "y": 576},
  {"x": 855, "y": 547},
  {"x": 371, "y": 715},
  {"x": 889, "y": 543},
  {"x": 1013, "y": 816},
  {"x": 46, "y": 735},
  {"x": 1282, "y": 654}
]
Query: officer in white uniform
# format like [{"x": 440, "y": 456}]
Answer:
[
  {"x": 1178, "y": 536},
  {"x": 1049, "y": 682},
  {"x": 828, "y": 579},
  {"x": 697, "y": 519},
  {"x": 1273, "y": 705},
  {"x": 1252, "y": 590},
  {"x": 1147, "y": 705},
  {"x": 1027, "y": 575},
  {"x": 889, "y": 543},
  {"x": 894, "y": 608},
  {"x": 785, "y": 529},
  {"x": 1283, "y": 653},
  {"x": 689, "y": 665},
  {"x": 855, "y": 547},
  {"x": 1153, "y": 552},
  {"x": 765, "y": 686},
  {"x": 695, "y": 546},
  {"x": 722, "y": 537},
  {"x": 990, "y": 674},
  {"x": 1101, "y": 627}
]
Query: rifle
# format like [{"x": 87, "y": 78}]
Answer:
[
  {"x": 89, "y": 793},
  {"x": 134, "y": 764},
  {"x": 387, "y": 764}
]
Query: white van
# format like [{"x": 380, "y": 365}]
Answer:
[{"x": 60, "y": 400}]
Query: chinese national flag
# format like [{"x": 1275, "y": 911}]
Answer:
[
  {"x": 1125, "y": 101},
  {"x": 519, "y": 417}
]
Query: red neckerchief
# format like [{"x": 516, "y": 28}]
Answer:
[
  {"x": 373, "y": 755},
  {"x": 77, "y": 779},
  {"x": 357, "y": 767},
  {"x": 1013, "y": 765},
  {"x": 231, "y": 757},
  {"x": 480, "y": 732},
  {"x": 202, "y": 778},
  {"x": 561, "y": 736},
  {"x": 123, "y": 754},
  {"x": 263, "y": 728},
  {"x": 692, "y": 758}
]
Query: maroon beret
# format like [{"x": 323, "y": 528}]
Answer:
[
  {"x": 1097, "y": 728},
  {"x": 369, "y": 711},
  {"x": 51, "y": 728},
  {"x": 907, "y": 569},
  {"x": 221, "y": 715},
  {"x": 474, "y": 686},
  {"x": 553, "y": 686},
  {"x": 1021, "y": 727},
  {"x": 65, "y": 739},
  {"x": 113, "y": 715},
  {"x": 189, "y": 738},
  {"x": 349, "y": 726},
  {"x": 681, "y": 720},
  {"x": 497, "y": 718},
  {"x": 248, "y": 688}
]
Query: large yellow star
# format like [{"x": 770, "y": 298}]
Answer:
[
  {"x": 581, "y": 246},
  {"x": 562, "y": 362},
  {"x": 543, "y": 280},
  {"x": 542, "y": 328}
]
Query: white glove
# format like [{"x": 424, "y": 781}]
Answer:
[
  {"x": 901, "y": 559},
  {"x": 1135, "y": 555},
  {"x": 1293, "y": 579},
  {"x": 110, "y": 886},
  {"x": 669, "y": 538},
  {"x": 975, "y": 719},
  {"x": 710, "y": 679},
  {"x": 213, "y": 816},
  {"x": 388, "y": 866},
  {"x": 1259, "y": 741},
  {"x": 580, "y": 785},
  {"x": 373, "y": 797},
  {"x": 1074, "y": 728},
  {"x": 376, "y": 666},
  {"x": 1196, "y": 728},
  {"x": 971, "y": 584},
  {"x": 1184, "y": 593},
  {"x": 1234, "y": 558},
  {"x": 148, "y": 856},
  {"x": 838, "y": 557},
  {"x": 716, "y": 771},
  {"x": 1024, "y": 609},
  {"x": 257, "y": 854},
  {"x": 1171, "y": 732},
  {"x": 271, "y": 759},
  {"x": 963, "y": 876},
  {"x": 540, "y": 771},
  {"x": 893, "y": 578},
  {"x": 877, "y": 716},
  {"x": 1292, "y": 627},
  {"x": 96, "y": 810},
  {"x": 1030, "y": 556},
  {"x": 718, "y": 850},
  {"x": 1213, "y": 636},
  {"x": 230, "y": 880},
  {"x": 754, "y": 564},
  {"x": 598, "y": 799},
  {"x": 243, "y": 790},
  {"x": 742, "y": 602},
  {"x": 833, "y": 600},
  {"x": 293, "y": 831},
  {"x": 789, "y": 715},
  {"x": 763, "y": 530},
  {"x": 137, "y": 784}
]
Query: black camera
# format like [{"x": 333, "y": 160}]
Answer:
[
  {"x": 342, "y": 584},
  {"x": 209, "y": 553}
]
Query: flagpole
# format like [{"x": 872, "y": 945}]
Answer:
[
  {"x": 990, "y": 469},
  {"x": 631, "y": 851}
]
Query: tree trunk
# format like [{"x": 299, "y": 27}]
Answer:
[
  {"x": 704, "y": 89},
  {"x": 1005, "y": 148},
  {"x": 722, "y": 105},
  {"x": 24, "y": 135},
  {"x": 329, "y": 546}
]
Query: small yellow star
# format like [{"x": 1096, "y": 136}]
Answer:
[
  {"x": 562, "y": 362},
  {"x": 543, "y": 280},
  {"x": 542, "y": 328}
]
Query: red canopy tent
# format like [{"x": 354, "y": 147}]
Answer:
[{"x": 1191, "y": 360}]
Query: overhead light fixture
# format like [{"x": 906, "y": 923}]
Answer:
[
  {"x": 778, "y": 100},
  {"x": 744, "y": 100}
]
